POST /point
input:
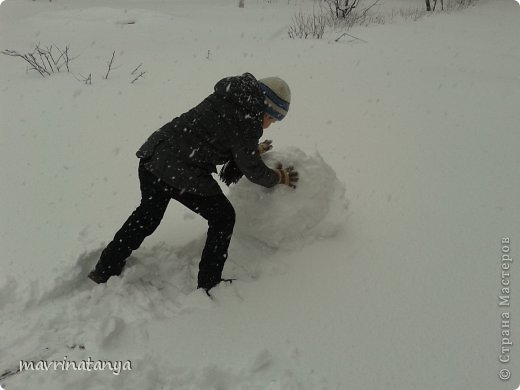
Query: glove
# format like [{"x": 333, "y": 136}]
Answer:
[
  {"x": 230, "y": 173},
  {"x": 288, "y": 176},
  {"x": 265, "y": 146}
]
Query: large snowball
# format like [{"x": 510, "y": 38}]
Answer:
[{"x": 284, "y": 217}]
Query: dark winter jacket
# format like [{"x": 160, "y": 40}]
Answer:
[{"x": 226, "y": 126}]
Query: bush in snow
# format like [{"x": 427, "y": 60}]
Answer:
[
  {"x": 345, "y": 14},
  {"x": 457, "y": 4},
  {"x": 333, "y": 14},
  {"x": 44, "y": 60},
  {"x": 342, "y": 8},
  {"x": 308, "y": 26},
  {"x": 53, "y": 59}
]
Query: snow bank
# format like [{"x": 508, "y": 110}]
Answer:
[
  {"x": 158, "y": 285},
  {"x": 281, "y": 217},
  {"x": 158, "y": 278}
]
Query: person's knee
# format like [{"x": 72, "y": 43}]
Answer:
[
  {"x": 231, "y": 215},
  {"x": 225, "y": 218},
  {"x": 228, "y": 217}
]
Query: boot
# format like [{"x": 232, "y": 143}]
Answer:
[{"x": 102, "y": 273}]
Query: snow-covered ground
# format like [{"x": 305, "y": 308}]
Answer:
[{"x": 381, "y": 271}]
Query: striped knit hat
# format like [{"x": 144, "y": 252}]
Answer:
[{"x": 277, "y": 97}]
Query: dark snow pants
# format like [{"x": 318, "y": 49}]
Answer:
[{"x": 155, "y": 196}]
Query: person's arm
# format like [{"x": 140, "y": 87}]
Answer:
[{"x": 251, "y": 165}]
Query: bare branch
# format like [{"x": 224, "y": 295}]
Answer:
[
  {"x": 365, "y": 11},
  {"x": 110, "y": 64},
  {"x": 307, "y": 25},
  {"x": 352, "y": 36},
  {"x": 135, "y": 70},
  {"x": 88, "y": 80},
  {"x": 65, "y": 55},
  {"x": 43, "y": 60},
  {"x": 30, "y": 59},
  {"x": 140, "y": 75}
]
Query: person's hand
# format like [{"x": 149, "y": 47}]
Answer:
[
  {"x": 288, "y": 176},
  {"x": 265, "y": 146}
]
